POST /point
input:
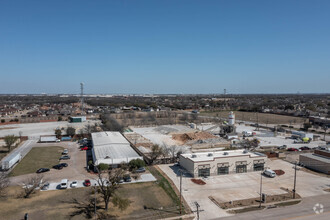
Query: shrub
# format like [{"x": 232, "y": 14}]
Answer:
[
  {"x": 136, "y": 163},
  {"x": 103, "y": 166},
  {"x": 3, "y": 120}
]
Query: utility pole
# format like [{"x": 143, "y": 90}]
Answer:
[
  {"x": 295, "y": 179},
  {"x": 260, "y": 189},
  {"x": 180, "y": 191},
  {"x": 95, "y": 201},
  {"x": 82, "y": 97}
]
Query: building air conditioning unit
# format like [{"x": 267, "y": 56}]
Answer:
[
  {"x": 210, "y": 155},
  {"x": 194, "y": 156},
  {"x": 225, "y": 153},
  {"x": 245, "y": 151}
]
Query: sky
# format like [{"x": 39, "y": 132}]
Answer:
[{"x": 165, "y": 47}]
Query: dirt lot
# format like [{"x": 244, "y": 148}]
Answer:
[
  {"x": 263, "y": 118},
  {"x": 38, "y": 158},
  {"x": 41, "y": 205}
]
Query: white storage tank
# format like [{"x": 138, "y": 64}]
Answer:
[{"x": 231, "y": 118}]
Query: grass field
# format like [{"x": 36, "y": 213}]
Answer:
[
  {"x": 148, "y": 201},
  {"x": 263, "y": 118},
  {"x": 38, "y": 157}
]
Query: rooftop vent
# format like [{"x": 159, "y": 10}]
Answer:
[
  {"x": 209, "y": 154},
  {"x": 194, "y": 156},
  {"x": 225, "y": 153}
]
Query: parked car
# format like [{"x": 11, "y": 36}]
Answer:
[
  {"x": 64, "y": 183},
  {"x": 45, "y": 186},
  {"x": 127, "y": 178},
  {"x": 65, "y": 151},
  {"x": 120, "y": 179},
  {"x": 65, "y": 157},
  {"x": 270, "y": 173},
  {"x": 87, "y": 182},
  {"x": 292, "y": 149},
  {"x": 58, "y": 167},
  {"x": 42, "y": 170},
  {"x": 84, "y": 148},
  {"x": 63, "y": 164},
  {"x": 304, "y": 148},
  {"x": 282, "y": 147},
  {"x": 140, "y": 170},
  {"x": 74, "y": 184}
]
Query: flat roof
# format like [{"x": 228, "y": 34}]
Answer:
[
  {"x": 107, "y": 137},
  {"x": 209, "y": 156},
  {"x": 112, "y": 148},
  {"x": 317, "y": 157}
]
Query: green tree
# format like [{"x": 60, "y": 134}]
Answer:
[
  {"x": 71, "y": 131},
  {"x": 3, "y": 120},
  {"x": 59, "y": 118},
  {"x": 136, "y": 163},
  {"x": 10, "y": 140},
  {"x": 103, "y": 166},
  {"x": 58, "y": 133}
]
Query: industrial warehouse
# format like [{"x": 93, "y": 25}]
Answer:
[
  {"x": 222, "y": 163},
  {"x": 112, "y": 148}
]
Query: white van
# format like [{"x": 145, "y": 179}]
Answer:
[
  {"x": 64, "y": 183},
  {"x": 270, "y": 173}
]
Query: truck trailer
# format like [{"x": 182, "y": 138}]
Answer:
[{"x": 11, "y": 160}]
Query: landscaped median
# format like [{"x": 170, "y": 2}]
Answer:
[{"x": 253, "y": 204}]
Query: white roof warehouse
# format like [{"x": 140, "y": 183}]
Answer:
[{"x": 112, "y": 148}]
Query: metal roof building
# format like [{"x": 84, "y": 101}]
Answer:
[{"x": 112, "y": 148}]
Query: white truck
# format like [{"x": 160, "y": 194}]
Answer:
[
  {"x": 247, "y": 133},
  {"x": 9, "y": 161}
]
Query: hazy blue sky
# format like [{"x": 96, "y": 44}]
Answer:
[{"x": 176, "y": 46}]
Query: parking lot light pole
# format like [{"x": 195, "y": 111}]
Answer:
[
  {"x": 180, "y": 191},
  {"x": 295, "y": 180},
  {"x": 95, "y": 201}
]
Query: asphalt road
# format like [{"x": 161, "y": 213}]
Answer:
[{"x": 303, "y": 210}]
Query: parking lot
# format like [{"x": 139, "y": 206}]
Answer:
[
  {"x": 244, "y": 186},
  {"x": 148, "y": 177},
  {"x": 76, "y": 169}
]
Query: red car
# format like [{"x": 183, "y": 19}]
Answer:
[
  {"x": 292, "y": 149},
  {"x": 87, "y": 182},
  {"x": 84, "y": 148}
]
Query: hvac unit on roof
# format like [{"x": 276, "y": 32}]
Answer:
[
  {"x": 245, "y": 151},
  {"x": 194, "y": 156},
  {"x": 225, "y": 153},
  {"x": 209, "y": 154}
]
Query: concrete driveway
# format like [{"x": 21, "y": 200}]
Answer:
[{"x": 244, "y": 186}]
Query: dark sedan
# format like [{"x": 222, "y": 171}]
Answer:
[
  {"x": 42, "y": 170},
  {"x": 304, "y": 148}
]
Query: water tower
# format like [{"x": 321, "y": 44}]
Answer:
[{"x": 231, "y": 120}]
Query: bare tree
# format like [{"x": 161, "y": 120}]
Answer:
[
  {"x": 172, "y": 151},
  {"x": 111, "y": 124},
  {"x": 4, "y": 183},
  {"x": 156, "y": 151},
  {"x": 31, "y": 184},
  {"x": 10, "y": 140},
  {"x": 108, "y": 184}
]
